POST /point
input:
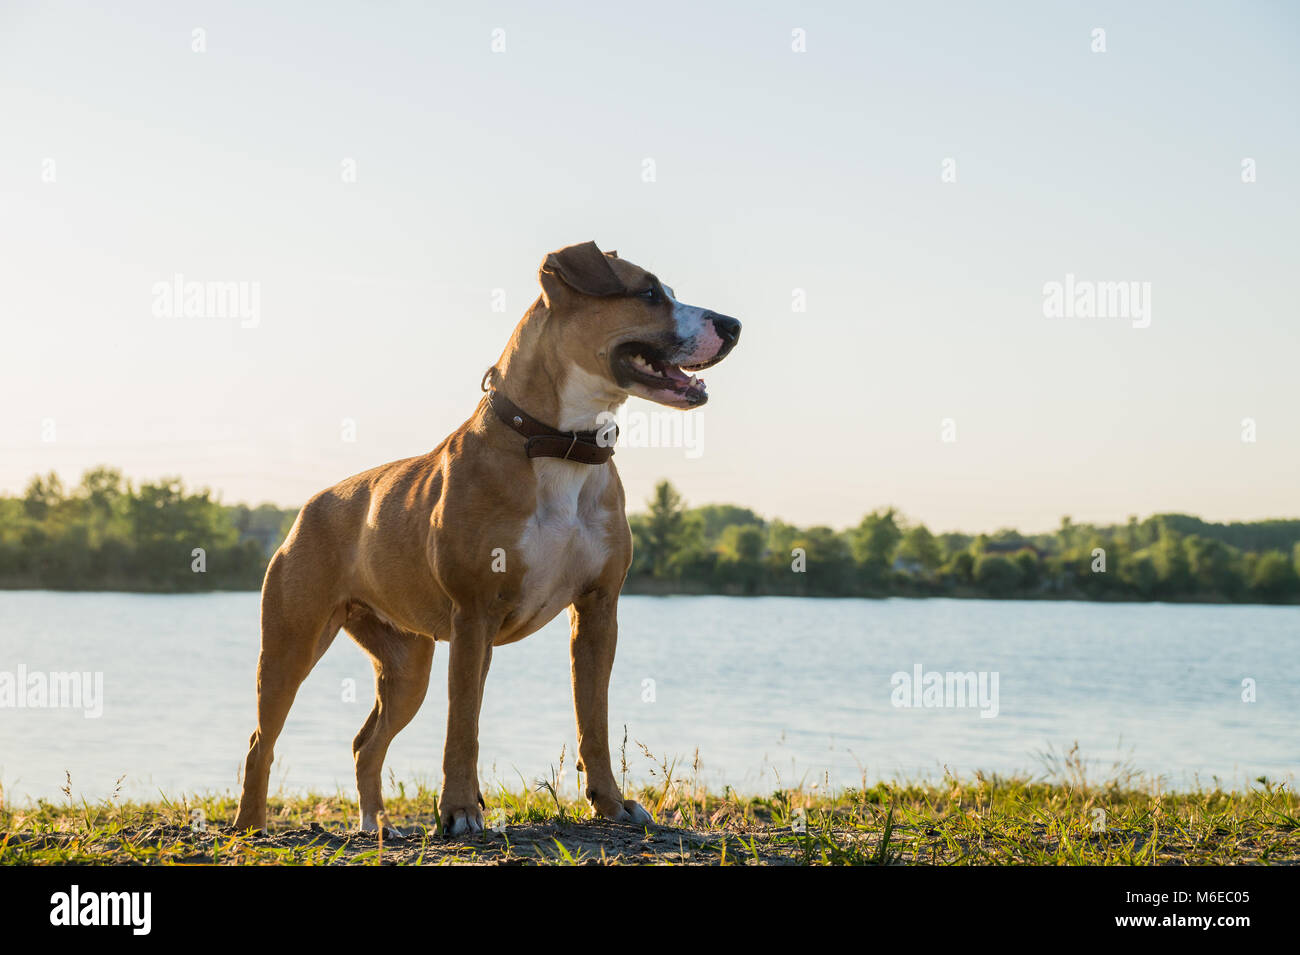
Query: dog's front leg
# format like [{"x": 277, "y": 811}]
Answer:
[
  {"x": 594, "y": 634},
  {"x": 461, "y": 802}
]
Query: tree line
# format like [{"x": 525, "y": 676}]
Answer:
[
  {"x": 107, "y": 533},
  {"x": 721, "y": 548}
]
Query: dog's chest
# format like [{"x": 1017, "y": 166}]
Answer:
[{"x": 564, "y": 544}]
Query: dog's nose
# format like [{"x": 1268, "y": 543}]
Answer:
[{"x": 728, "y": 329}]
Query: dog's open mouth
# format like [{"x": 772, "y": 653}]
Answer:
[{"x": 646, "y": 365}]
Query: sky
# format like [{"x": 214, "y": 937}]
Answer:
[{"x": 879, "y": 192}]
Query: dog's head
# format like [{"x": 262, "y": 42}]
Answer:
[{"x": 620, "y": 322}]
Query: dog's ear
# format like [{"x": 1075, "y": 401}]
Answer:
[{"x": 582, "y": 268}]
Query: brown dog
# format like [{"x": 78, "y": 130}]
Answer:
[{"x": 515, "y": 516}]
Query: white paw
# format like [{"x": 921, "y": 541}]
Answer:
[
  {"x": 371, "y": 824},
  {"x": 464, "y": 822},
  {"x": 633, "y": 813}
]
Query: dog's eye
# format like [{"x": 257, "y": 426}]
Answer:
[{"x": 650, "y": 295}]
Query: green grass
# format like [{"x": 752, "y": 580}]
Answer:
[{"x": 987, "y": 820}]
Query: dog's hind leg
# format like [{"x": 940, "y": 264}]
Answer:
[
  {"x": 402, "y": 662},
  {"x": 296, "y": 630}
]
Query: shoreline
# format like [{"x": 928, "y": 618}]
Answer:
[{"x": 642, "y": 591}]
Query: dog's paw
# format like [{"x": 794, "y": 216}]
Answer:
[
  {"x": 633, "y": 813},
  {"x": 371, "y": 824},
  {"x": 462, "y": 822}
]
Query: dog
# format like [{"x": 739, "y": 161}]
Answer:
[{"x": 517, "y": 515}]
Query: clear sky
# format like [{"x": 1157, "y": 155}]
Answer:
[{"x": 775, "y": 170}]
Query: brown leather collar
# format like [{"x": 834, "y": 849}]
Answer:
[{"x": 585, "y": 447}]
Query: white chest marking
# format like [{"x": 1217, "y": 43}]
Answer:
[{"x": 564, "y": 544}]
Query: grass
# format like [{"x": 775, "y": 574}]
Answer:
[{"x": 986, "y": 820}]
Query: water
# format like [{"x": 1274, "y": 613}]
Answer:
[{"x": 772, "y": 691}]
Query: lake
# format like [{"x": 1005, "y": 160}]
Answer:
[{"x": 771, "y": 690}]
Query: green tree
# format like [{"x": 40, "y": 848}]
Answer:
[
  {"x": 1214, "y": 566},
  {"x": 1139, "y": 574},
  {"x": 663, "y": 528},
  {"x": 1026, "y": 562},
  {"x": 638, "y": 524},
  {"x": 42, "y": 496},
  {"x": 961, "y": 567},
  {"x": 103, "y": 495},
  {"x": 716, "y": 518},
  {"x": 920, "y": 545},
  {"x": 1172, "y": 567},
  {"x": 169, "y": 524},
  {"x": 874, "y": 541},
  {"x": 996, "y": 574},
  {"x": 1274, "y": 577},
  {"x": 740, "y": 556},
  {"x": 691, "y": 557},
  {"x": 1065, "y": 535},
  {"x": 829, "y": 563}
]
